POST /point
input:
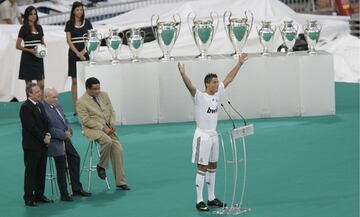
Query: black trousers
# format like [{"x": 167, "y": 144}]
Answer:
[
  {"x": 35, "y": 170},
  {"x": 73, "y": 160}
]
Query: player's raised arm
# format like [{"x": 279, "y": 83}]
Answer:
[
  {"x": 189, "y": 85},
  {"x": 231, "y": 75}
]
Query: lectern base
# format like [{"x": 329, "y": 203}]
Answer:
[{"x": 234, "y": 210}]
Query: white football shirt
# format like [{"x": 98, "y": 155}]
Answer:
[{"x": 206, "y": 108}]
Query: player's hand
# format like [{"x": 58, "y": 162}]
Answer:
[
  {"x": 243, "y": 57},
  {"x": 181, "y": 67}
]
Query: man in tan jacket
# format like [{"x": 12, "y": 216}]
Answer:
[{"x": 97, "y": 118}]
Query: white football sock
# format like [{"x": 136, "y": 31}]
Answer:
[
  {"x": 200, "y": 178},
  {"x": 210, "y": 181}
]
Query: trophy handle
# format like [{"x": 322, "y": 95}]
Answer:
[
  {"x": 99, "y": 36},
  {"x": 106, "y": 36},
  {"x": 251, "y": 15},
  {"x": 281, "y": 27},
  {"x": 296, "y": 27},
  {"x": 258, "y": 27},
  {"x": 304, "y": 28},
  {"x": 224, "y": 21},
  {"x": 152, "y": 24},
  {"x": 188, "y": 21},
  {"x": 212, "y": 18},
  {"x": 121, "y": 35},
  {"x": 107, "y": 41},
  {"x": 142, "y": 33},
  {"x": 320, "y": 27},
  {"x": 178, "y": 32},
  {"x": 85, "y": 38},
  {"x": 273, "y": 27},
  {"x": 127, "y": 36}
]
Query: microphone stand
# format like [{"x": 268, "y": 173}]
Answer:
[
  {"x": 233, "y": 123},
  {"x": 237, "y": 113}
]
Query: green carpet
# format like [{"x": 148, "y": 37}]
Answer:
[{"x": 297, "y": 167}]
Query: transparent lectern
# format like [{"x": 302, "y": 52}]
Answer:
[{"x": 234, "y": 154}]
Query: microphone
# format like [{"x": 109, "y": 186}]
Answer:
[
  {"x": 233, "y": 123},
  {"x": 237, "y": 113}
]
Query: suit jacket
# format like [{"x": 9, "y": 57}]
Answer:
[
  {"x": 57, "y": 126},
  {"x": 34, "y": 126},
  {"x": 94, "y": 117}
]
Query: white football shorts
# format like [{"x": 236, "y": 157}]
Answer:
[{"x": 205, "y": 147}]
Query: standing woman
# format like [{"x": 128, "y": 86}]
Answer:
[
  {"x": 31, "y": 67},
  {"x": 75, "y": 28}
]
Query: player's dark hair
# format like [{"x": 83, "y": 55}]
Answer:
[{"x": 209, "y": 77}]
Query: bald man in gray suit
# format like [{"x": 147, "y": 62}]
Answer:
[{"x": 61, "y": 147}]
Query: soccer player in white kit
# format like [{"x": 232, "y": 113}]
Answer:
[{"x": 205, "y": 149}]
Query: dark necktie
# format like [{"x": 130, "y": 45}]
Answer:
[
  {"x": 38, "y": 107},
  {"x": 96, "y": 100}
]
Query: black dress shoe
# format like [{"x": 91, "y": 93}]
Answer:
[
  {"x": 101, "y": 172},
  {"x": 66, "y": 198},
  {"x": 82, "y": 193},
  {"x": 43, "y": 199},
  {"x": 123, "y": 187},
  {"x": 30, "y": 203}
]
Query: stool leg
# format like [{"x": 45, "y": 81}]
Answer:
[
  {"x": 90, "y": 165},
  {"x": 51, "y": 173},
  {"x": 55, "y": 178},
  {"x": 52, "y": 177},
  {"x": 106, "y": 179},
  {"x": 92, "y": 168},
  {"x": 86, "y": 156}
]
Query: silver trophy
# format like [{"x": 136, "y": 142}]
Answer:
[
  {"x": 266, "y": 32},
  {"x": 135, "y": 39},
  {"x": 166, "y": 34},
  {"x": 238, "y": 29},
  {"x": 312, "y": 34},
  {"x": 41, "y": 51},
  {"x": 92, "y": 41},
  {"x": 289, "y": 31},
  {"x": 203, "y": 31},
  {"x": 114, "y": 42}
]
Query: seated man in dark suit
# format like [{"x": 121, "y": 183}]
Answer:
[{"x": 61, "y": 147}]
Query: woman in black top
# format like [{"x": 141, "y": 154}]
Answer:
[
  {"x": 75, "y": 28},
  {"x": 31, "y": 67}
]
